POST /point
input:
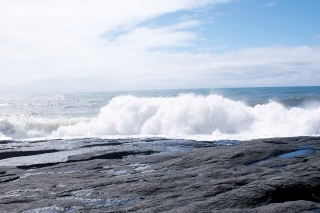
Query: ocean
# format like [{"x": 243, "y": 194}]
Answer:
[{"x": 197, "y": 114}]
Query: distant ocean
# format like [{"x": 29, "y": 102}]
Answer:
[{"x": 199, "y": 114}]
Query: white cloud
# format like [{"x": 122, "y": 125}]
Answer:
[
  {"x": 63, "y": 46},
  {"x": 42, "y": 39},
  {"x": 144, "y": 38},
  {"x": 55, "y": 26},
  {"x": 254, "y": 67},
  {"x": 126, "y": 69}
]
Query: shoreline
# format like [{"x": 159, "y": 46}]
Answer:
[{"x": 261, "y": 175}]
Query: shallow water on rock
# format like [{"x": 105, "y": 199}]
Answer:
[
  {"x": 287, "y": 155},
  {"x": 294, "y": 154}
]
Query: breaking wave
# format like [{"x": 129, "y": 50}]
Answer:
[{"x": 184, "y": 116}]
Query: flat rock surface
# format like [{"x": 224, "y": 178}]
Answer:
[{"x": 264, "y": 175}]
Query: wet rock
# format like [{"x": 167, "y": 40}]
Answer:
[{"x": 266, "y": 175}]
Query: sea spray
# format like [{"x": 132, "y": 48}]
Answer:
[
  {"x": 33, "y": 127},
  {"x": 183, "y": 115},
  {"x": 196, "y": 115},
  {"x": 233, "y": 114}
]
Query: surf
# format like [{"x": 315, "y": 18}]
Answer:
[{"x": 213, "y": 117}]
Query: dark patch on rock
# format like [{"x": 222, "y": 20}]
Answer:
[
  {"x": 36, "y": 166},
  {"x": 104, "y": 144},
  {"x": 8, "y": 174},
  {"x": 12, "y": 154},
  {"x": 112, "y": 155},
  {"x": 6, "y": 141}
]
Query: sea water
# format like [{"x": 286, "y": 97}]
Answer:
[{"x": 200, "y": 114}]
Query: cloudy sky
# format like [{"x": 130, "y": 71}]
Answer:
[{"x": 102, "y": 45}]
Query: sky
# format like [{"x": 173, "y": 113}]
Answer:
[{"x": 72, "y": 46}]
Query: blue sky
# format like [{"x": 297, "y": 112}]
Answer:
[
  {"x": 262, "y": 23},
  {"x": 101, "y": 45},
  {"x": 252, "y": 23}
]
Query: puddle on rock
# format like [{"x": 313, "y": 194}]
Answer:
[
  {"x": 294, "y": 154},
  {"x": 316, "y": 210}
]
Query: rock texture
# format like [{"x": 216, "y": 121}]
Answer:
[{"x": 265, "y": 175}]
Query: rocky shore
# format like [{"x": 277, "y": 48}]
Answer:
[{"x": 264, "y": 175}]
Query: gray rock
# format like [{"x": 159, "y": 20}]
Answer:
[{"x": 265, "y": 175}]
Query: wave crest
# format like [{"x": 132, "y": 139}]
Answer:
[
  {"x": 196, "y": 115},
  {"x": 183, "y": 115},
  {"x": 186, "y": 115}
]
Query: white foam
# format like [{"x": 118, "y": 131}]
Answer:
[
  {"x": 196, "y": 116},
  {"x": 33, "y": 127},
  {"x": 188, "y": 116}
]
